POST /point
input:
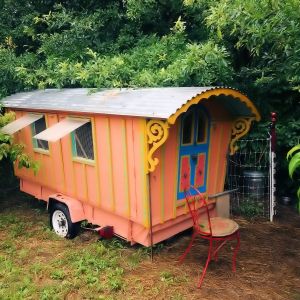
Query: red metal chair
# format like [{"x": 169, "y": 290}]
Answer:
[{"x": 214, "y": 229}]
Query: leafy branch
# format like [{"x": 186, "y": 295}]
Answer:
[{"x": 13, "y": 151}]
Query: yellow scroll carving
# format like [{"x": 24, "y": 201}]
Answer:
[
  {"x": 238, "y": 96},
  {"x": 157, "y": 133},
  {"x": 240, "y": 127}
]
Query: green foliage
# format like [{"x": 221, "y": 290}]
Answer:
[
  {"x": 9, "y": 61},
  {"x": 269, "y": 31},
  {"x": 153, "y": 62},
  {"x": 249, "y": 208},
  {"x": 293, "y": 157},
  {"x": 13, "y": 151}
]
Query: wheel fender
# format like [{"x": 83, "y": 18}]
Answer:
[{"x": 75, "y": 206}]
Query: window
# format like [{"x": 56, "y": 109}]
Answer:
[
  {"x": 187, "y": 129},
  {"x": 82, "y": 142},
  {"x": 201, "y": 130},
  {"x": 37, "y": 127}
]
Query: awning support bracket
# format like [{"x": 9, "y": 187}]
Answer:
[
  {"x": 157, "y": 134},
  {"x": 240, "y": 128}
]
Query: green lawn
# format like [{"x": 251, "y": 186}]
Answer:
[{"x": 36, "y": 264}]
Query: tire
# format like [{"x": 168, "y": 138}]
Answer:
[{"x": 60, "y": 221}]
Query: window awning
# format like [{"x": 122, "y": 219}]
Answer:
[
  {"x": 20, "y": 123},
  {"x": 59, "y": 130}
]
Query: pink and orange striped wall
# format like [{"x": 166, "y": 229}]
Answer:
[{"x": 115, "y": 189}]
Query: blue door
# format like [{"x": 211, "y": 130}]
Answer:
[{"x": 193, "y": 153}]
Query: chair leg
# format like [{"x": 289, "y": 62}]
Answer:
[
  {"x": 237, "y": 247},
  {"x": 215, "y": 253},
  {"x": 182, "y": 257},
  {"x": 219, "y": 246},
  {"x": 206, "y": 264}
]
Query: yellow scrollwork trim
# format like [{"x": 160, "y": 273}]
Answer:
[
  {"x": 157, "y": 133},
  {"x": 240, "y": 127},
  {"x": 216, "y": 92}
]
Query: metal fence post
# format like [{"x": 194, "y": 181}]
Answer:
[{"x": 272, "y": 165}]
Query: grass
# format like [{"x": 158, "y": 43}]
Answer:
[
  {"x": 58, "y": 270},
  {"x": 36, "y": 264}
]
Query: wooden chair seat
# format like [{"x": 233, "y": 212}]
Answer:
[{"x": 219, "y": 226}]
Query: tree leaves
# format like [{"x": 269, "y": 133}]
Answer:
[{"x": 269, "y": 30}]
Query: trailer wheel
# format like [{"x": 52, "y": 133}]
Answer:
[{"x": 60, "y": 221}]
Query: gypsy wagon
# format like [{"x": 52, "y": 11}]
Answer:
[{"x": 123, "y": 157}]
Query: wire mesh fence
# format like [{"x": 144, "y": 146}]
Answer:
[{"x": 248, "y": 174}]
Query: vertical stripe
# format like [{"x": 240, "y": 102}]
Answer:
[
  {"x": 145, "y": 181},
  {"x": 176, "y": 175},
  {"x": 218, "y": 157},
  {"x": 74, "y": 180},
  {"x": 38, "y": 157},
  {"x": 71, "y": 161},
  {"x": 95, "y": 145},
  {"x": 53, "y": 166},
  {"x": 110, "y": 163},
  {"x": 125, "y": 160},
  {"x": 134, "y": 169},
  {"x": 162, "y": 186},
  {"x": 209, "y": 157},
  {"x": 86, "y": 192},
  {"x": 54, "y": 183},
  {"x": 63, "y": 165},
  {"x": 227, "y": 136},
  {"x": 57, "y": 159}
]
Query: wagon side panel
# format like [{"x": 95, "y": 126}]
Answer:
[{"x": 164, "y": 180}]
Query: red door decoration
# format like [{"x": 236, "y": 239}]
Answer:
[
  {"x": 185, "y": 172},
  {"x": 200, "y": 170}
]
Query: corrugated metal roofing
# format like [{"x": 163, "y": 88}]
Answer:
[{"x": 144, "y": 102}]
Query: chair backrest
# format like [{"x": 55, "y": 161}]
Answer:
[{"x": 198, "y": 207}]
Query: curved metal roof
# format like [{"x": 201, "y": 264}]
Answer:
[{"x": 161, "y": 103}]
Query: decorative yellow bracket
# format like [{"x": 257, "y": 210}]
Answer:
[
  {"x": 240, "y": 127},
  {"x": 157, "y": 134}
]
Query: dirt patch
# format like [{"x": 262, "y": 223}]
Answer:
[{"x": 268, "y": 265}]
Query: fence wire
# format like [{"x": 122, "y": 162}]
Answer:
[{"x": 249, "y": 174}]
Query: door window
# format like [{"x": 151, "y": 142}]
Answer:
[
  {"x": 201, "y": 127},
  {"x": 187, "y": 129}
]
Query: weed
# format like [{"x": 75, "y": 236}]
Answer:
[
  {"x": 8, "y": 246},
  {"x": 114, "y": 243},
  {"x": 17, "y": 229},
  {"x": 167, "y": 277},
  {"x": 115, "y": 279},
  {"x": 36, "y": 268},
  {"x": 136, "y": 257},
  {"x": 23, "y": 253},
  {"x": 249, "y": 209},
  {"x": 91, "y": 279},
  {"x": 7, "y": 220},
  {"x": 50, "y": 292},
  {"x": 57, "y": 275}
]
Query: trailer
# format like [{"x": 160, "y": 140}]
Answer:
[{"x": 123, "y": 157}]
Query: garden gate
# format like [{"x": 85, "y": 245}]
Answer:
[{"x": 251, "y": 174}]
